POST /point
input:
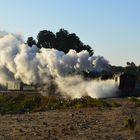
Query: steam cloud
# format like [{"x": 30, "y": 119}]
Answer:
[{"x": 32, "y": 66}]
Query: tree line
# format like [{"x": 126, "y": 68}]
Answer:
[
  {"x": 130, "y": 67},
  {"x": 61, "y": 40}
]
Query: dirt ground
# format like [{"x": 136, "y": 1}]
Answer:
[{"x": 72, "y": 124}]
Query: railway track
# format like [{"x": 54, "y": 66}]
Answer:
[{"x": 20, "y": 92}]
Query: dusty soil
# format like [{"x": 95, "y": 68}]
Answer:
[{"x": 72, "y": 124}]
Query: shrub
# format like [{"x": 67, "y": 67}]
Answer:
[
  {"x": 22, "y": 103},
  {"x": 89, "y": 102},
  {"x": 129, "y": 123},
  {"x": 133, "y": 99},
  {"x": 137, "y": 104},
  {"x": 115, "y": 104}
]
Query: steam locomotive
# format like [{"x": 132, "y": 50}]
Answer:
[{"x": 126, "y": 84}]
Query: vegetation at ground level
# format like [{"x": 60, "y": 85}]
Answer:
[
  {"x": 23, "y": 103},
  {"x": 134, "y": 100},
  {"x": 130, "y": 123}
]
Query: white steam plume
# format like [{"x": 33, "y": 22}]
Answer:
[
  {"x": 31, "y": 66},
  {"x": 76, "y": 87}
]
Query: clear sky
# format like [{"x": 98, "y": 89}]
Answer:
[{"x": 111, "y": 27}]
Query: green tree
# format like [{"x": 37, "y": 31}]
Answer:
[
  {"x": 66, "y": 41},
  {"x": 46, "y": 39},
  {"x": 131, "y": 68},
  {"x": 62, "y": 40},
  {"x": 31, "y": 41}
]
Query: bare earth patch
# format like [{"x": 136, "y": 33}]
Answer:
[{"x": 95, "y": 123}]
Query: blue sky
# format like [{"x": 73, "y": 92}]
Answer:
[{"x": 111, "y": 27}]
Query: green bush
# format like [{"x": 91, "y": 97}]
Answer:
[
  {"x": 137, "y": 104},
  {"x": 18, "y": 103},
  {"x": 22, "y": 103},
  {"x": 133, "y": 99},
  {"x": 115, "y": 104},
  {"x": 130, "y": 123},
  {"x": 89, "y": 102}
]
